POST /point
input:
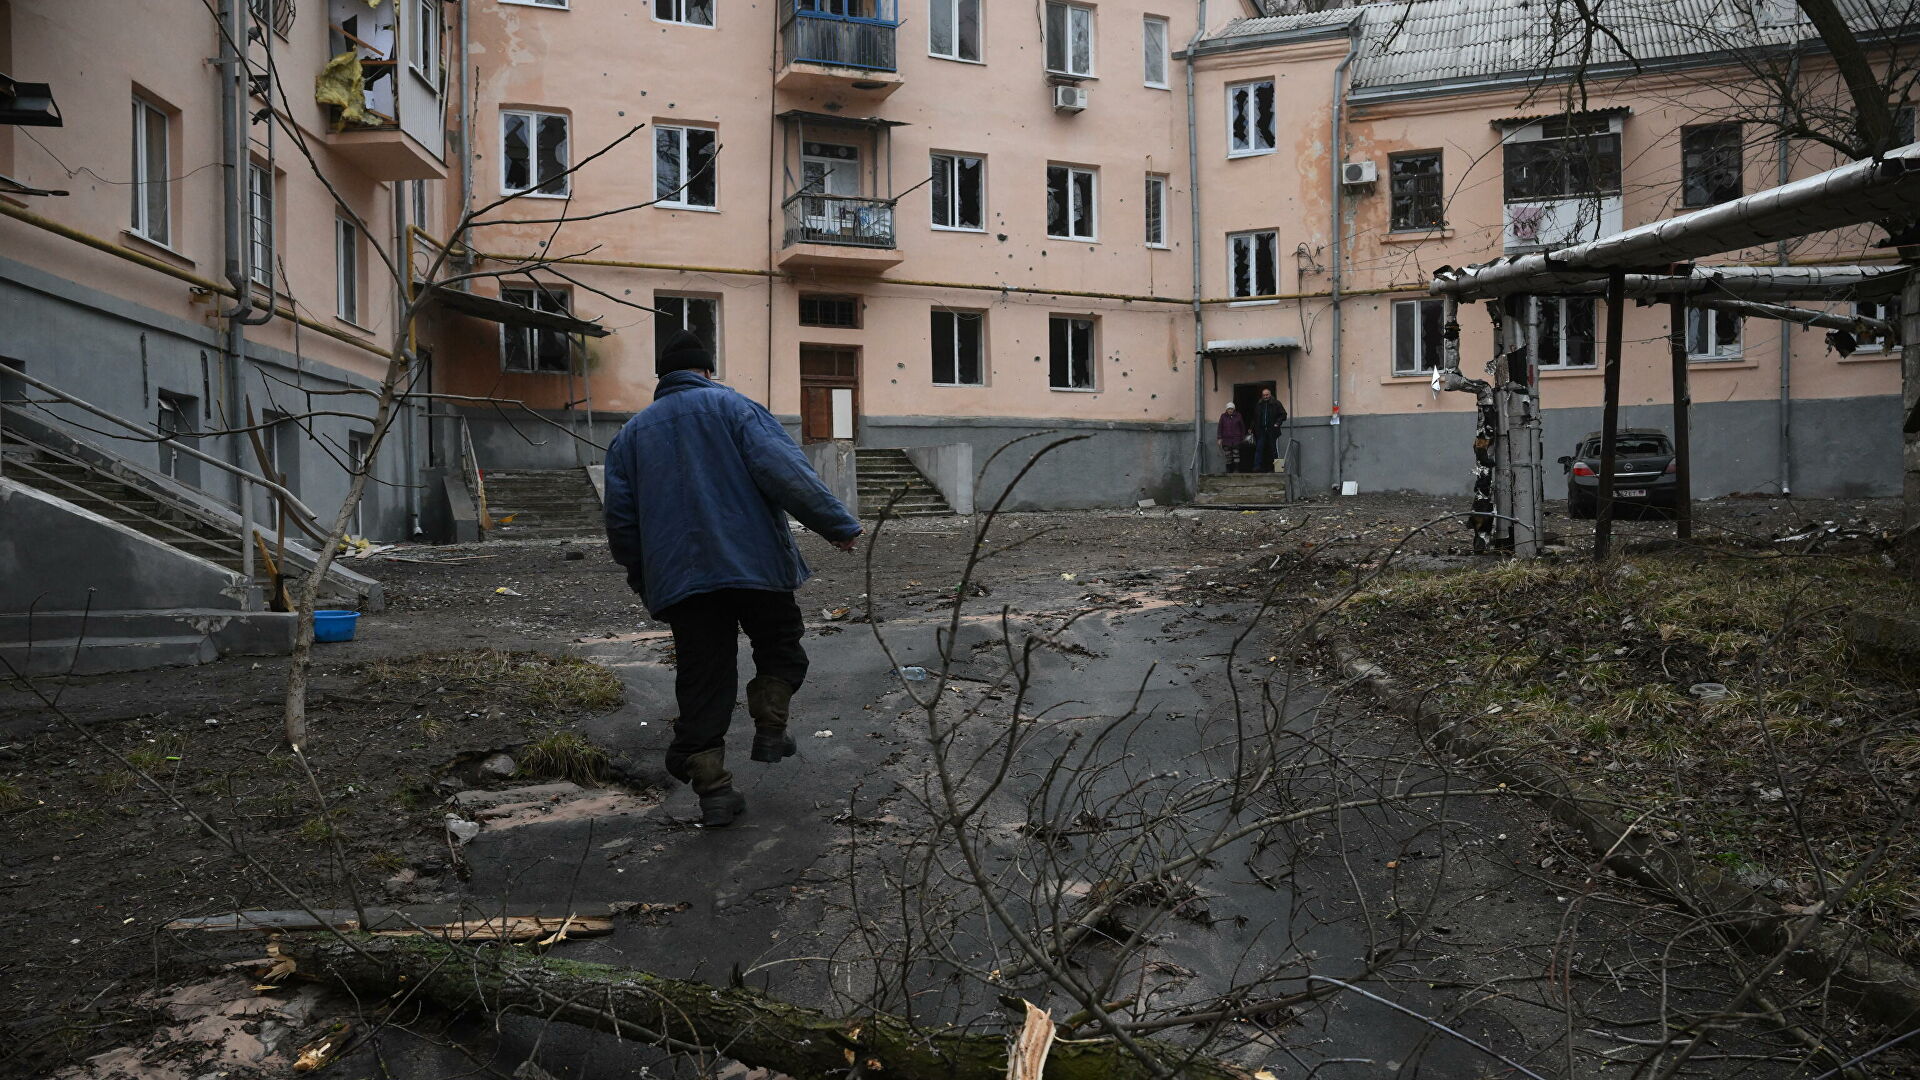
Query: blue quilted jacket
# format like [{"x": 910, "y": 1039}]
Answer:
[{"x": 699, "y": 486}]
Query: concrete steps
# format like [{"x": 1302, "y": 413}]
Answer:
[
  {"x": 542, "y": 503},
  {"x": 881, "y": 473},
  {"x": 1243, "y": 489}
]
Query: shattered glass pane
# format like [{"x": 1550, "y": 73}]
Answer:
[
  {"x": 941, "y": 29},
  {"x": 700, "y": 12},
  {"x": 1242, "y": 266},
  {"x": 967, "y": 347},
  {"x": 703, "y": 188},
  {"x": 1082, "y": 204},
  {"x": 1057, "y": 37},
  {"x": 969, "y": 30},
  {"x": 666, "y": 163},
  {"x": 1156, "y": 210},
  {"x": 552, "y": 163},
  {"x": 1056, "y": 200},
  {"x": 1082, "y": 40},
  {"x": 1265, "y": 264},
  {"x": 1406, "y": 332},
  {"x": 1433, "y": 314},
  {"x": 969, "y": 190},
  {"x": 514, "y": 149},
  {"x": 1239, "y": 120},
  {"x": 943, "y": 211},
  {"x": 1059, "y": 347},
  {"x": 1263, "y": 116},
  {"x": 943, "y": 357}
]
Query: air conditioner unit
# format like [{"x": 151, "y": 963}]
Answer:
[
  {"x": 1359, "y": 172},
  {"x": 1069, "y": 98}
]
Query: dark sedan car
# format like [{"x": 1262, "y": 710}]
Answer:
[{"x": 1643, "y": 472}]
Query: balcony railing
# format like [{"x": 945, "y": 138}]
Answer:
[
  {"x": 853, "y": 41},
  {"x": 840, "y": 219}
]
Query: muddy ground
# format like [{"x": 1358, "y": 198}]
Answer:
[{"x": 94, "y": 864}]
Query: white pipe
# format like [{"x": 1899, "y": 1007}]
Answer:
[
  {"x": 1193, "y": 215},
  {"x": 1334, "y": 155}
]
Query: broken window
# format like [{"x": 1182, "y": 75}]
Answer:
[
  {"x": 1709, "y": 164},
  {"x": 1153, "y": 30},
  {"x": 1418, "y": 190},
  {"x": 1253, "y": 268},
  {"x": 175, "y": 418},
  {"x": 690, "y": 12},
  {"x": 1069, "y": 39},
  {"x": 1418, "y": 336},
  {"x": 260, "y": 221},
  {"x": 957, "y": 347},
  {"x": 1566, "y": 327},
  {"x": 1070, "y": 203},
  {"x": 1156, "y": 210},
  {"x": 152, "y": 202},
  {"x": 426, "y": 38},
  {"x": 533, "y": 152},
  {"x": 1571, "y": 157},
  {"x": 533, "y": 349},
  {"x": 1885, "y": 310},
  {"x": 346, "y": 251},
  {"x": 959, "y": 191},
  {"x": 697, "y": 314},
  {"x": 836, "y": 311},
  {"x": 683, "y": 172},
  {"x": 1712, "y": 335},
  {"x": 1070, "y": 345},
  {"x": 955, "y": 30},
  {"x": 1250, "y": 118}
]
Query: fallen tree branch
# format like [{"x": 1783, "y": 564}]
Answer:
[{"x": 740, "y": 1023}]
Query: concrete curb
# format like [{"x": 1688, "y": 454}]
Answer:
[{"x": 1882, "y": 986}]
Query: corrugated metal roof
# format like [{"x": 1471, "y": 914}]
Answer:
[{"x": 1407, "y": 44}]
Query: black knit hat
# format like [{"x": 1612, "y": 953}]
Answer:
[{"x": 684, "y": 351}]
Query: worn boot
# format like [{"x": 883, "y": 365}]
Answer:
[
  {"x": 706, "y": 772},
  {"x": 768, "y": 699}
]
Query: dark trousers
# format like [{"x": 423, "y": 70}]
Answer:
[
  {"x": 1269, "y": 449},
  {"x": 706, "y": 629}
]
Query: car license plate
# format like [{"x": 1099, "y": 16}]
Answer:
[{"x": 1632, "y": 493}]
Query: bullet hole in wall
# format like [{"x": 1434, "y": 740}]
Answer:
[
  {"x": 902, "y": 367},
  {"x": 1003, "y": 239}
]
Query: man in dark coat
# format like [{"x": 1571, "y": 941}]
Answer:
[
  {"x": 1268, "y": 415},
  {"x": 698, "y": 489}
]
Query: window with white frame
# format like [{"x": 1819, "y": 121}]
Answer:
[
  {"x": 260, "y": 222},
  {"x": 958, "y": 347},
  {"x": 1071, "y": 203},
  {"x": 1712, "y": 335},
  {"x": 1070, "y": 352},
  {"x": 1154, "y": 56},
  {"x": 959, "y": 192},
  {"x": 1572, "y": 157},
  {"x": 689, "y": 12},
  {"x": 152, "y": 190},
  {"x": 953, "y": 32},
  {"x": 1156, "y": 206},
  {"x": 538, "y": 3},
  {"x": 1566, "y": 327},
  {"x": 346, "y": 269},
  {"x": 1710, "y": 164},
  {"x": 426, "y": 38},
  {"x": 533, "y": 153},
  {"x": 1069, "y": 32},
  {"x": 699, "y": 315},
  {"x": 1250, "y": 123},
  {"x": 536, "y": 349},
  {"x": 1884, "y": 310},
  {"x": 683, "y": 167},
  {"x": 1253, "y": 263},
  {"x": 1418, "y": 336}
]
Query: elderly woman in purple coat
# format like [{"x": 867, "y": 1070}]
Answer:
[{"x": 1233, "y": 438}]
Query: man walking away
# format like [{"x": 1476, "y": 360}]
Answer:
[
  {"x": 1232, "y": 433},
  {"x": 698, "y": 488},
  {"x": 1268, "y": 415}
]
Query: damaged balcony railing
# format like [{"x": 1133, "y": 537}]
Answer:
[
  {"x": 840, "y": 219},
  {"x": 837, "y": 32}
]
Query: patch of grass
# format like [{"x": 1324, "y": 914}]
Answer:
[
  {"x": 533, "y": 680},
  {"x": 564, "y": 755},
  {"x": 114, "y": 783},
  {"x": 314, "y": 830},
  {"x": 387, "y": 862},
  {"x": 12, "y": 797}
]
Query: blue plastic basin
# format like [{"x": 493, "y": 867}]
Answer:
[{"x": 334, "y": 625}]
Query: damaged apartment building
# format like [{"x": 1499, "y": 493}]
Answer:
[{"x": 914, "y": 229}]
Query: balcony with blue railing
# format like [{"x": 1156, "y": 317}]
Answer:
[{"x": 839, "y": 45}]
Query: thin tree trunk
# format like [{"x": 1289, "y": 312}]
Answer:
[{"x": 739, "y": 1023}]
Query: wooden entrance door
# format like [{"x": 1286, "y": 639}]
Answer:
[{"x": 829, "y": 392}]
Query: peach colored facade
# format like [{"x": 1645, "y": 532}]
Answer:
[{"x": 822, "y": 186}]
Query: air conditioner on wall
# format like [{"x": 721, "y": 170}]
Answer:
[
  {"x": 1069, "y": 98},
  {"x": 1358, "y": 172}
]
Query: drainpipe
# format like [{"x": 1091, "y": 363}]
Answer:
[
  {"x": 1782, "y": 257},
  {"x": 1334, "y": 153},
  {"x": 1193, "y": 212}
]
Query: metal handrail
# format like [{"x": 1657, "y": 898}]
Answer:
[
  {"x": 290, "y": 498},
  {"x": 471, "y": 461}
]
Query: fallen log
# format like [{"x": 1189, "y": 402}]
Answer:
[{"x": 737, "y": 1022}]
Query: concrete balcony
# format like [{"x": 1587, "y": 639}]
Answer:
[
  {"x": 839, "y": 232},
  {"x": 825, "y": 48},
  {"x": 1545, "y": 223}
]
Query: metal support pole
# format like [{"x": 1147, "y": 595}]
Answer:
[
  {"x": 1682, "y": 419},
  {"x": 1610, "y": 413},
  {"x": 1523, "y": 437}
]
